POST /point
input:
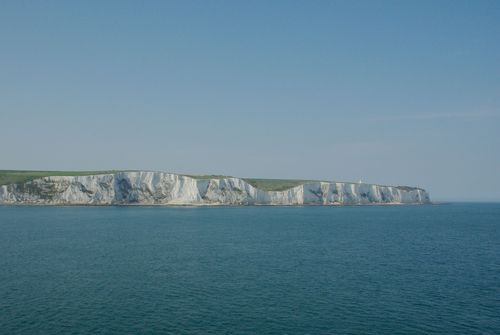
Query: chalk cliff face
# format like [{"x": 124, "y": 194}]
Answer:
[{"x": 159, "y": 188}]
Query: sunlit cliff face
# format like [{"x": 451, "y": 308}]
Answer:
[{"x": 159, "y": 188}]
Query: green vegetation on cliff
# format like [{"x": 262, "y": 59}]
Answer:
[
  {"x": 263, "y": 184},
  {"x": 275, "y": 184},
  {"x": 22, "y": 176}
]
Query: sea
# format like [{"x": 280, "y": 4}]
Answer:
[{"x": 418, "y": 269}]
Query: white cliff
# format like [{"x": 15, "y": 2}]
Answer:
[{"x": 159, "y": 188}]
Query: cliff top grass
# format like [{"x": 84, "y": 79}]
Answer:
[
  {"x": 275, "y": 184},
  {"x": 206, "y": 176},
  {"x": 263, "y": 184},
  {"x": 22, "y": 176}
]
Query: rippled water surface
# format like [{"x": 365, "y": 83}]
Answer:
[{"x": 251, "y": 270}]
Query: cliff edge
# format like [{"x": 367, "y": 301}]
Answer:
[{"x": 161, "y": 188}]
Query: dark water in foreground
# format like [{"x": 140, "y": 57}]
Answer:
[{"x": 250, "y": 270}]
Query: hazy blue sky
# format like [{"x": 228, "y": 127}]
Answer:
[{"x": 396, "y": 92}]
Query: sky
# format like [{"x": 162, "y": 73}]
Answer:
[{"x": 389, "y": 92}]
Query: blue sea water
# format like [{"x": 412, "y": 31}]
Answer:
[{"x": 250, "y": 270}]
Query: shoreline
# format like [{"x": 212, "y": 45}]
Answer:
[{"x": 218, "y": 205}]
